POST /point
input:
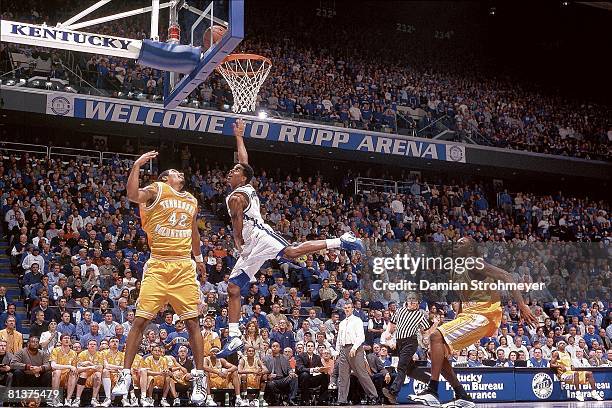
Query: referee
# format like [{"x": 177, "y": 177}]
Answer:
[{"x": 409, "y": 320}]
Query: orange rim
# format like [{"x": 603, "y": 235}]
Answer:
[{"x": 242, "y": 57}]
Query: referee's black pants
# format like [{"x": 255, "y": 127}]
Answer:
[{"x": 406, "y": 365}]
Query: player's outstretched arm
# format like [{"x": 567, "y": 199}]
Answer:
[
  {"x": 238, "y": 127},
  {"x": 134, "y": 193}
]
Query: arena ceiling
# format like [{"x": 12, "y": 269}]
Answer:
[{"x": 606, "y": 5}]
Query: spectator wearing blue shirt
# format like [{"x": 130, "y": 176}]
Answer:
[
  {"x": 350, "y": 283},
  {"x": 167, "y": 324},
  {"x": 473, "y": 360},
  {"x": 94, "y": 334},
  {"x": 117, "y": 288},
  {"x": 31, "y": 278},
  {"x": 524, "y": 338},
  {"x": 65, "y": 327},
  {"x": 205, "y": 285},
  {"x": 108, "y": 326},
  {"x": 485, "y": 340},
  {"x": 309, "y": 107},
  {"x": 537, "y": 361},
  {"x": 590, "y": 336},
  {"x": 323, "y": 272},
  {"x": 283, "y": 336},
  {"x": 37, "y": 288},
  {"x": 119, "y": 334},
  {"x": 178, "y": 338},
  {"x": 506, "y": 201},
  {"x": 84, "y": 326},
  {"x": 262, "y": 321},
  {"x": 263, "y": 286},
  {"x": 574, "y": 309},
  {"x": 221, "y": 321},
  {"x": 10, "y": 312},
  {"x": 481, "y": 203}
]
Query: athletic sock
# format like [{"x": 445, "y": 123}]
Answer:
[
  {"x": 460, "y": 392},
  {"x": 234, "y": 330},
  {"x": 106, "y": 383},
  {"x": 433, "y": 386},
  {"x": 333, "y": 243}
]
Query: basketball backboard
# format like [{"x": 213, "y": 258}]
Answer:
[
  {"x": 214, "y": 13},
  {"x": 191, "y": 58}
]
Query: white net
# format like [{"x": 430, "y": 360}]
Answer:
[{"x": 245, "y": 73}]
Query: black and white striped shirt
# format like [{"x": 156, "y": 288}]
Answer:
[{"x": 409, "y": 322}]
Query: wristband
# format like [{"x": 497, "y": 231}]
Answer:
[{"x": 199, "y": 258}]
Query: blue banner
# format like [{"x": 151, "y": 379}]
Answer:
[
  {"x": 506, "y": 384},
  {"x": 271, "y": 130}
]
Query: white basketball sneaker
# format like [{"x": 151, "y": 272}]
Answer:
[
  {"x": 122, "y": 387},
  {"x": 595, "y": 395},
  {"x": 198, "y": 394}
]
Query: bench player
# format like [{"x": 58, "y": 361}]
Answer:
[
  {"x": 89, "y": 365},
  {"x": 113, "y": 364},
  {"x": 63, "y": 363},
  {"x": 256, "y": 241},
  {"x": 169, "y": 217},
  {"x": 561, "y": 361}
]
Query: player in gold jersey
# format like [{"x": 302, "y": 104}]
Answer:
[
  {"x": 89, "y": 366},
  {"x": 63, "y": 363},
  {"x": 113, "y": 363},
  {"x": 561, "y": 361},
  {"x": 480, "y": 316},
  {"x": 139, "y": 374},
  {"x": 158, "y": 374},
  {"x": 169, "y": 217}
]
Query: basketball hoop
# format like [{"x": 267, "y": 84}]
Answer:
[{"x": 245, "y": 73}]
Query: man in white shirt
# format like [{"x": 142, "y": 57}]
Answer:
[
  {"x": 349, "y": 343},
  {"x": 355, "y": 113},
  {"x": 127, "y": 326},
  {"x": 89, "y": 264},
  {"x": 13, "y": 216},
  {"x": 108, "y": 326},
  {"x": 518, "y": 346},
  {"x": 33, "y": 258},
  {"x": 580, "y": 361},
  {"x": 398, "y": 208}
]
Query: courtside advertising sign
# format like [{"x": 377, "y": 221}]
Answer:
[
  {"x": 105, "y": 109},
  {"x": 508, "y": 384}
]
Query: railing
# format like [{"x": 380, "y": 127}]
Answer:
[
  {"x": 125, "y": 158},
  {"x": 477, "y": 136},
  {"x": 101, "y": 158},
  {"x": 367, "y": 185},
  {"x": 81, "y": 80},
  {"x": 75, "y": 153},
  {"x": 15, "y": 147},
  {"x": 434, "y": 128}
]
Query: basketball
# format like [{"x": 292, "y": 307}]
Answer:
[{"x": 216, "y": 31}]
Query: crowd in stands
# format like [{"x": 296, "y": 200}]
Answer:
[
  {"x": 367, "y": 86},
  {"x": 77, "y": 249}
]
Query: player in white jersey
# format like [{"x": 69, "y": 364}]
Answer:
[{"x": 256, "y": 241}]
